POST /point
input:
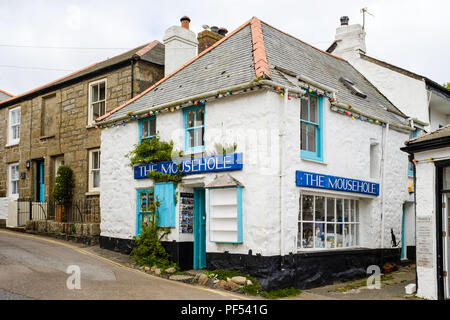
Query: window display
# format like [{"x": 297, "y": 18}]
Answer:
[
  {"x": 187, "y": 212},
  {"x": 328, "y": 222}
]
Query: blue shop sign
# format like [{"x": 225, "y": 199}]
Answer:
[
  {"x": 323, "y": 181},
  {"x": 215, "y": 163}
]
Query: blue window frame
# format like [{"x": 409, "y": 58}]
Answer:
[
  {"x": 311, "y": 128},
  {"x": 144, "y": 200},
  {"x": 194, "y": 128},
  {"x": 412, "y": 134},
  {"x": 147, "y": 128}
]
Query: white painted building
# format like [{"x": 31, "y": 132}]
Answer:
[
  {"x": 423, "y": 100},
  {"x": 431, "y": 154},
  {"x": 426, "y": 103},
  {"x": 322, "y": 181}
]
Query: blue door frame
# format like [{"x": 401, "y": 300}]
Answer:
[
  {"x": 199, "y": 229},
  {"x": 40, "y": 181}
]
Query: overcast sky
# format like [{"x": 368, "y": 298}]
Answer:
[{"x": 412, "y": 34}]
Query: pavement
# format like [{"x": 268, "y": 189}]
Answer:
[{"x": 34, "y": 267}]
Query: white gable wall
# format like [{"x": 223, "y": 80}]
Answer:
[{"x": 406, "y": 93}]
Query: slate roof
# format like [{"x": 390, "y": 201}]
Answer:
[
  {"x": 4, "y": 95},
  {"x": 436, "y": 134},
  {"x": 255, "y": 50},
  {"x": 151, "y": 52}
]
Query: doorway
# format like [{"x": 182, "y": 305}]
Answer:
[
  {"x": 408, "y": 232},
  {"x": 40, "y": 186},
  {"x": 199, "y": 229}
]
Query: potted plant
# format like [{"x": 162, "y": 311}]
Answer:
[{"x": 62, "y": 191}]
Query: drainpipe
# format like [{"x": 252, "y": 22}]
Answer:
[
  {"x": 383, "y": 178},
  {"x": 281, "y": 172},
  {"x": 132, "y": 78}
]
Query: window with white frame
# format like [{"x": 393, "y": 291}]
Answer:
[
  {"x": 94, "y": 170},
  {"x": 14, "y": 126},
  {"x": 327, "y": 222},
  {"x": 97, "y": 100},
  {"x": 13, "y": 179}
]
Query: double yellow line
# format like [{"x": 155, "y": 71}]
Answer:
[{"x": 120, "y": 265}]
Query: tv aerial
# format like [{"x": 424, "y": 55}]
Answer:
[{"x": 364, "y": 11}]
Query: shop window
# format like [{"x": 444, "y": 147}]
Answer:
[
  {"x": 328, "y": 222},
  {"x": 225, "y": 215},
  {"x": 147, "y": 128},
  {"x": 97, "y": 100},
  {"x": 144, "y": 205},
  {"x": 194, "y": 128},
  {"x": 13, "y": 180},
  {"x": 14, "y": 126},
  {"x": 94, "y": 170},
  {"x": 165, "y": 195},
  {"x": 412, "y": 135},
  {"x": 311, "y": 128}
]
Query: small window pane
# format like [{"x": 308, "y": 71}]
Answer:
[
  {"x": 145, "y": 129},
  {"x": 308, "y": 238},
  {"x": 102, "y": 91},
  {"x": 307, "y": 208},
  {"x": 320, "y": 208},
  {"x": 330, "y": 241},
  {"x": 303, "y": 136},
  {"x": 346, "y": 209},
  {"x": 96, "y": 181},
  {"x": 304, "y": 110},
  {"x": 198, "y": 137},
  {"x": 190, "y": 118},
  {"x": 319, "y": 238},
  {"x": 313, "y": 109},
  {"x": 94, "y": 93},
  {"x": 191, "y": 138},
  {"x": 199, "y": 117},
  {"x": 311, "y": 134},
  {"x": 152, "y": 127},
  {"x": 330, "y": 209}
]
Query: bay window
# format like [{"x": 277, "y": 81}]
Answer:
[{"x": 327, "y": 222}]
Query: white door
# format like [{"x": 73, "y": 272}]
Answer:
[{"x": 446, "y": 243}]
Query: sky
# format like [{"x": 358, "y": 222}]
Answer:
[{"x": 42, "y": 40}]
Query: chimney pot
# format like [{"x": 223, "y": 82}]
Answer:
[
  {"x": 185, "y": 22},
  {"x": 344, "y": 21},
  {"x": 223, "y": 31},
  {"x": 215, "y": 29}
]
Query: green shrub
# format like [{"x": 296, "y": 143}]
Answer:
[
  {"x": 62, "y": 191},
  {"x": 281, "y": 293}
]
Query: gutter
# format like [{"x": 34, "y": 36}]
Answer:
[
  {"x": 205, "y": 95},
  {"x": 348, "y": 107}
]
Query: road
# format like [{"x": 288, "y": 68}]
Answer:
[{"x": 35, "y": 268}]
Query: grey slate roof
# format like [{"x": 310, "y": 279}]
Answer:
[
  {"x": 302, "y": 59},
  {"x": 4, "y": 96},
  {"x": 151, "y": 52},
  {"x": 231, "y": 63},
  {"x": 436, "y": 134}
]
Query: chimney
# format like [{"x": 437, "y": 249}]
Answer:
[
  {"x": 208, "y": 37},
  {"x": 350, "y": 40},
  {"x": 180, "y": 44}
]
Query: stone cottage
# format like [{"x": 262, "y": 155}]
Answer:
[{"x": 52, "y": 125}]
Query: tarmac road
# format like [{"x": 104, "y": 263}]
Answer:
[{"x": 35, "y": 268}]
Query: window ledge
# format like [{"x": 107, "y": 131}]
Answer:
[
  {"x": 46, "y": 137},
  {"x": 11, "y": 144},
  {"x": 91, "y": 126},
  {"x": 314, "y": 161},
  {"x": 92, "y": 193}
]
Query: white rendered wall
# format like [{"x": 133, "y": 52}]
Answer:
[
  {"x": 437, "y": 118},
  {"x": 426, "y": 207},
  {"x": 406, "y": 93},
  {"x": 347, "y": 154},
  {"x": 252, "y": 121}
]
